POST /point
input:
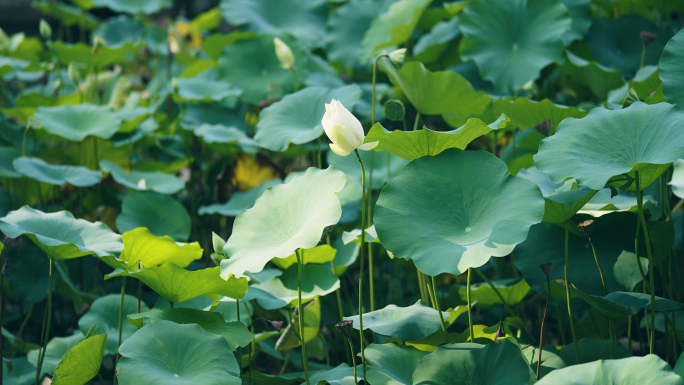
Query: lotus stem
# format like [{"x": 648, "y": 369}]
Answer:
[
  {"x": 101, "y": 380},
  {"x": 496, "y": 291},
  {"x": 370, "y": 245},
  {"x": 629, "y": 335},
  {"x": 470, "y": 310},
  {"x": 541, "y": 332},
  {"x": 295, "y": 79},
  {"x": 435, "y": 302},
  {"x": 375, "y": 65},
  {"x": 567, "y": 294},
  {"x": 415, "y": 123},
  {"x": 640, "y": 203},
  {"x": 318, "y": 153},
  {"x": 363, "y": 241},
  {"x": 2, "y": 282},
  {"x": 351, "y": 346},
  {"x": 603, "y": 281},
  {"x": 47, "y": 327},
  {"x": 121, "y": 304},
  {"x": 305, "y": 360},
  {"x": 237, "y": 303}
]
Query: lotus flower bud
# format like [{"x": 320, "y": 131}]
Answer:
[
  {"x": 587, "y": 228},
  {"x": 346, "y": 328},
  {"x": 45, "y": 29},
  {"x": 344, "y": 130},
  {"x": 546, "y": 268},
  {"x": 73, "y": 73},
  {"x": 284, "y": 54},
  {"x": 397, "y": 56},
  {"x": 647, "y": 38}
]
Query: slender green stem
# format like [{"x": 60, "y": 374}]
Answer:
[
  {"x": 252, "y": 351},
  {"x": 640, "y": 203},
  {"x": 351, "y": 346},
  {"x": 121, "y": 304},
  {"x": 496, "y": 291},
  {"x": 287, "y": 360},
  {"x": 2, "y": 281},
  {"x": 611, "y": 328},
  {"x": 318, "y": 153},
  {"x": 415, "y": 123},
  {"x": 363, "y": 241},
  {"x": 432, "y": 298},
  {"x": 643, "y": 58},
  {"x": 629, "y": 335},
  {"x": 295, "y": 79},
  {"x": 421, "y": 287},
  {"x": 674, "y": 330},
  {"x": 603, "y": 281},
  {"x": 369, "y": 210},
  {"x": 470, "y": 310},
  {"x": 305, "y": 360},
  {"x": 541, "y": 332},
  {"x": 435, "y": 302},
  {"x": 47, "y": 328},
  {"x": 237, "y": 303},
  {"x": 567, "y": 294},
  {"x": 100, "y": 376}
]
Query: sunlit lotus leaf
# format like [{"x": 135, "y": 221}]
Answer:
[
  {"x": 472, "y": 210},
  {"x": 60, "y": 235},
  {"x": 411, "y": 145},
  {"x": 213, "y": 44},
  {"x": 54, "y": 352},
  {"x": 106, "y": 55},
  {"x": 393, "y": 27},
  {"x": 296, "y": 119},
  {"x": 164, "y": 352},
  {"x": 9, "y": 65},
  {"x": 390, "y": 364},
  {"x": 143, "y": 180},
  {"x": 176, "y": 284},
  {"x": 342, "y": 374},
  {"x": 239, "y": 201},
  {"x": 131, "y": 118},
  {"x": 677, "y": 181},
  {"x": 42, "y": 171},
  {"x": 526, "y": 113},
  {"x": 295, "y": 215},
  {"x": 598, "y": 78},
  {"x": 512, "y": 41},
  {"x": 513, "y": 291},
  {"x": 282, "y": 291},
  {"x": 624, "y": 201},
  {"x": 610, "y": 143},
  {"x": 289, "y": 339},
  {"x": 235, "y": 333},
  {"x": 409, "y": 323},
  {"x": 355, "y": 236},
  {"x": 141, "y": 246},
  {"x": 82, "y": 362},
  {"x": 204, "y": 88},
  {"x": 346, "y": 27},
  {"x": 159, "y": 213},
  {"x": 78, "y": 121},
  {"x": 218, "y": 133},
  {"x": 350, "y": 166},
  {"x": 319, "y": 254},
  {"x": 671, "y": 69},
  {"x": 133, "y": 6}
]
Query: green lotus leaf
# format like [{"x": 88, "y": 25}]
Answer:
[
  {"x": 644, "y": 83},
  {"x": 513, "y": 291},
  {"x": 304, "y": 19},
  {"x": 77, "y": 122},
  {"x": 615, "y": 253},
  {"x": 342, "y": 374},
  {"x": 143, "y": 180},
  {"x": 218, "y": 133},
  {"x": 355, "y": 236},
  {"x": 470, "y": 363},
  {"x": 527, "y": 113},
  {"x": 677, "y": 181},
  {"x": 239, "y": 201},
  {"x": 410, "y": 323},
  {"x": 282, "y": 291},
  {"x": 131, "y": 118},
  {"x": 204, "y": 88},
  {"x": 624, "y": 201},
  {"x": 598, "y": 78},
  {"x": 350, "y": 166},
  {"x": 609, "y": 143},
  {"x": 60, "y": 235},
  {"x": 289, "y": 339},
  {"x": 431, "y": 45},
  {"x": 164, "y": 353},
  {"x": 106, "y": 309},
  {"x": 9, "y": 65},
  {"x": 118, "y": 30},
  {"x": 393, "y": 27},
  {"x": 345, "y": 256},
  {"x": 319, "y": 254},
  {"x": 23, "y": 372},
  {"x": 44, "y": 172},
  {"x": 235, "y": 333},
  {"x": 411, "y": 145},
  {"x": 7, "y": 156},
  {"x": 435, "y": 93},
  {"x": 68, "y": 15},
  {"x": 81, "y": 53},
  {"x": 615, "y": 43},
  {"x": 390, "y": 364},
  {"x": 512, "y": 41},
  {"x": 671, "y": 69},
  {"x": 347, "y": 26},
  {"x": 54, "y": 352},
  {"x": 141, "y": 246},
  {"x": 18, "y": 343},
  {"x": 591, "y": 349},
  {"x": 82, "y": 362},
  {"x": 561, "y": 200},
  {"x": 648, "y": 370},
  {"x": 286, "y": 217},
  {"x": 159, "y": 213},
  {"x": 474, "y": 210},
  {"x": 132, "y": 6},
  {"x": 297, "y": 117},
  {"x": 580, "y": 11}
]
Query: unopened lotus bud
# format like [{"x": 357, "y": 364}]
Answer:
[
  {"x": 73, "y": 73},
  {"x": 346, "y": 328},
  {"x": 97, "y": 43},
  {"x": 58, "y": 85},
  {"x": 174, "y": 84},
  {"x": 647, "y": 38},
  {"x": 543, "y": 128},
  {"x": 395, "y": 110},
  {"x": 546, "y": 268},
  {"x": 4, "y": 40},
  {"x": 45, "y": 29},
  {"x": 284, "y": 54},
  {"x": 587, "y": 228},
  {"x": 397, "y": 56}
]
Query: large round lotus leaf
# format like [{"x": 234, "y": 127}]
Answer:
[
  {"x": 141, "y": 246},
  {"x": 304, "y": 19},
  {"x": 616, "y": 43},
  {"x": 580, "y": 11},
  {"x": 218, "y": 133},
  {"x": 106, "y": 309},
  {"x": 609, "y": 143},
  {"x": 42, "y": 171},
  {"x": 23, "y": 372},
  {"x": 60, "y": 235},
  {"x": 78, "y": 121},
  {"x": 143, "y": 180},
  {"x": 350, "y": 166},
  {"x": 239, "y": 201},
  {"x": 342, "y": 374},
  {"x": 561, "y": 200},
  {"x": 624, "y": 201},
  {"x": 68, "y": 15},
  {"x": 321, "y": 254},
  {"x": 394, "y": 27},
  {"x": 390, "y": 364},
  {"x": 133, "y": 6},
  {"x": 159, "y": 213},
  {"x": 671, "y": 68},
  {"x": 467, "y": 209},
  {"x": 282, "y": 291},
  {"x": 526, "y": 113},
  {"x": 177, "y": 284},
  {"x": 431, "y": 45},
  {"x": 513, "y": 291},
  {"x": 411, "y": 145},
  {"x": 591, "y": 349},
  {"x": 468, "y": 363},
  {"x": 648, "y": 370},
  {"x": 511, "y": 41},
  {"x": 204, "y": 88},
  {"x": 435, "y": 93},
  {"x": 297, "y": 117},
  {"x": 677, "y": 181},
  {"x": 54, "y": 352},
  {"x": 286, "y": 217},
  {"x": 546, "y": 243},
  {"x": 81, "y": 53},
  {"x": 598, "y": 78},
  {"x": 164, "y": 352},
  {"x": 82, "y": 362},
  {"x": 346, "y": 27},
  {"x": 235, "y": 333},
  {"x": 410, "y": 323},
  {"x": 118, "y": 30}
]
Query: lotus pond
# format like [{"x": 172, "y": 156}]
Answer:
[{"x": 343, "y": 192}]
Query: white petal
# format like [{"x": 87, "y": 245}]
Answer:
[
  {"x": 344, "y": 138},
  {"x": 338, "y": 150},
  {"x": 368, "y": 146}
]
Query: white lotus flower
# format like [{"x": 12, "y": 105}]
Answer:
[
  {"x": 284, "y": 54},
  {"x": 344, "y": 130}
]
